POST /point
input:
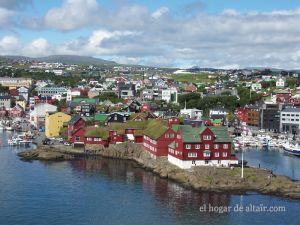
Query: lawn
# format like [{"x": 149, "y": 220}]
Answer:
[{"x": 193, "y": 78}]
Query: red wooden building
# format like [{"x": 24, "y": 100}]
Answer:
[
  {"x": 76, "y": 130},
  {"x": 157, "y": 136},
  {"x": 198, "y": 146}
]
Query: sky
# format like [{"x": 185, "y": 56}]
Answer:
[{"x": 167, "y": 33}]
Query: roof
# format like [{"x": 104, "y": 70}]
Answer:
[
  {"x": 291, "y": 110},
  {"x": 74, "y": 119},
  {"x": 101, "y": 117},
  {"x": 5, "y": 97},
  {"x": 221, "y": 134},
  {"x": 99, "y": 132},
  {"x": 191, "y": 134},
  {"x": 139, "y": 127},
  {"x": 85, "y": 100},
  {"x": 156, "y": 128}
]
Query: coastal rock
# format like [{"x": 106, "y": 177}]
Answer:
[
  {"x": 46, "y": 154},
  {"x": 217, "y": 179}
]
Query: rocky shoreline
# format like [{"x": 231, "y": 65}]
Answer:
[{"x": 199, "y": 178}]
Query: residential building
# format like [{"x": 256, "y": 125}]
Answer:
[
  {"x": 191, "y": 113},
  {"x": 280, "y": 82},
  {"x": 14, "y": 82},
  {"x": 76, "y": 130},
  {"x": 37, "y": 116},
  {"x": 256, "y": 87},
  {"x": 200, "y": 146},
  {"x": 249, "y": 115},
  {"x": 157, "y": 136},
  {"x": 169, "y": 95},
  {"x": 51, "y": 91},
  {"x": 118, "y": 117},
  {"x": 54, "y": 122},
  {"x": 16, "y": 111},
  {"x": 23, "y": 91},
  {"x": 5, "y": 101},
  {"x": 270, "y": 117},
  {"x": 290, "y": 120},
  {"x": 126, "y": 91},
  {"x": 218, "y": 113}
]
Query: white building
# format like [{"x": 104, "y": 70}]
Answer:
[
  {"x": 256, "y": 87},
  {"x": 191, "y": 113},
  {"x": 280, "y": 83},
  {"x": 50, "y": 91},
  {"x": 37, "y": 115},
  {"x": 290, "y": 120},
  {"x": 169, "y": 95}
]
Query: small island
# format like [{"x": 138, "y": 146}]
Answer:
[{"x": 199, "y": 178}]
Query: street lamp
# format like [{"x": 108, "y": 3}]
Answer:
[{"x": 242, "y": 175}]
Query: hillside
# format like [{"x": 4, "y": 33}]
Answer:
[{"x": 66, "y": 59}]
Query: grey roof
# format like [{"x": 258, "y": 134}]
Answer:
[
  {"x": 74, "y": 119},
  {"x": 291, "y": 110},
  {"x": 5, "y": 97}
]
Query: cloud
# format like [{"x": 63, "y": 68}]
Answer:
[
  {"x": 6, "y": 17},
  {"x": 133, "y": 33},
  {"x": 72, "y": 14},
  {"x": 14, "y": 4},
  {"x": 159, "y": 12},
  {"x": 9, "y": 44},
  {"x": 37, "y": 47}
]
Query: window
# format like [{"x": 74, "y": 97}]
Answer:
[
  {"x": 197, "y": 146},
  {"x": 77, "y": 138},
  {"x": 192, "y": 155},
  {"x": 225, "y": 146},
  {"x": 188, "y": 146},
  {"x": 116, "y": 117},
  {"x": 217, "y": 154},
  {"x": 216, "y": 146},
  {"x": 167, "y": 135},
  {"x": 172, "y": 135},
  {"x": 206, "y": 154},
  {"x": 224, "y": 154},
  {"x": 206, "y": 137},
  {"x": 206, "y": 146}
]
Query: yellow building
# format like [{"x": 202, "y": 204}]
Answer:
[
  {"x": 54, "y": 122},
  {"x": 21, "y": 103}
]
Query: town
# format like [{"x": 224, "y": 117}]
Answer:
[{"x": 194, "y": 117}]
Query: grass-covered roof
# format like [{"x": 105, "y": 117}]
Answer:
[{"x": 99, "y": 132}]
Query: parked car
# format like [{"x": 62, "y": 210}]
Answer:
[
  {"x": 46, "y": 141},
  {"x": 67, "y": 143}
]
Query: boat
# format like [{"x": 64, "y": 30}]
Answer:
[{"x": 293, "y": 149}]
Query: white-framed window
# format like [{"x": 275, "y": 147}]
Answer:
[
  {"x": 188, "y": 146},
  {"x": 216, "y": 146},
  {"x": 224, "y": 154},
  {"x": 206, "y": 154},
  {"x": 167, "y": 135},
  {"x": 206, "y": 146},
  {"x": 197, "y": 146},
  {"x": 225, "y": 146},
  {"x": 206, "y": 137},
  {"x": 217, "y": 154},
  {"x": 172, "y": 135},
  {"x": 192, "y": 155}
]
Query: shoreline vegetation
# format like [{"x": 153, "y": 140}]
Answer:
[{"x": 215, "y": 179}]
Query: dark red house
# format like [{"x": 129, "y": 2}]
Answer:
[
  {"x": 157, "y": 136},
  {"x": 76, "y": 130},
  {"x": 199, "y": 146}
]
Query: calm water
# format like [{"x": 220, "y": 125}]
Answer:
[{"x": 103, "y": 191}]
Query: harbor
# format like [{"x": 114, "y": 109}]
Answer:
[{"x": 107, "y": 186}]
